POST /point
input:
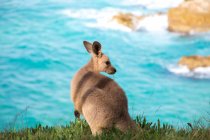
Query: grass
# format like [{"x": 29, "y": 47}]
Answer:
[{"x": 78, "y": 130}]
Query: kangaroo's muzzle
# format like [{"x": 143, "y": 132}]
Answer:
[{"x": 111, "y": 70}]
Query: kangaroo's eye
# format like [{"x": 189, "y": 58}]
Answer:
[{"x": 107, "y": 63}]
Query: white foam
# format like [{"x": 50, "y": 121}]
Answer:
[
  {"x": 153, "y": 4},
  {"x": 108, "y": 24},
  {"x": 100, "y": 18},
  {"x": 103, "y": 19},
  {"x": 154, "y": 23},
  {"x": 90, "y": 13},
  {"x": 201, "y": 72}
]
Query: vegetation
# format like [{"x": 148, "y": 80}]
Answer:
[{"x": 78, "y": 130}]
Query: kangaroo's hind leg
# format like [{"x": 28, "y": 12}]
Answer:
[
  {"x": 95, "y": 130},
  {"x": 96, "y": 112},
  {"x": 125, "y": 123},
  {"x": 91, "y": 116}
]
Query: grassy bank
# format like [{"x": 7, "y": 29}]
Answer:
[{"x": 80, "y": 130}]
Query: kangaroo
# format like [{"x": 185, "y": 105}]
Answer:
[{"x": 98, "y": 98}]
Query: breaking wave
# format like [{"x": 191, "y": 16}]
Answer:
[
  {"x": 103, "y": 19},
  {"x": 200, "y": 73},
  {"x": 154, "y": 23},
  {"x": 100, "y": 18}
]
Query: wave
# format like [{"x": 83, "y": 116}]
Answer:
[
  {"x": 200, "y": 73},
  {"x": 90, "y": 13},
  {"x": 154, "y": 23},
  {"x": 153, "y": 4},
  {"x": 103, "y": 19}
]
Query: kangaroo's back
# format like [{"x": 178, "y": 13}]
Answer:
[{"x": 85, "y": 81}]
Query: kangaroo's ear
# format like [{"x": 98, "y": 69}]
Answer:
[
  {"x": 96, "y": 48},
  {"x": 88, "y": 46}
]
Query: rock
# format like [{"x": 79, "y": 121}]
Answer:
[
  {"x": 190, "y": 16},
  {"x": 127, "y": 19},
  {"x": 193, "y": 62},
  {"x": 133, "y": 21}
]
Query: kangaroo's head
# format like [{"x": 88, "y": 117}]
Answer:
[{"x": 100, "y": 62}]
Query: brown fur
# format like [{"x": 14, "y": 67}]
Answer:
[{"x": 98, "y": 98}]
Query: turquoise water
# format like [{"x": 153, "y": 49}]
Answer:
[{"x": 41, "y": 49}]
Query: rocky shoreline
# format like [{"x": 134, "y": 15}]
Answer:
[{"x": 190, "y": 16}]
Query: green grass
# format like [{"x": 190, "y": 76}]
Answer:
[{"x": 80, "y": 130}]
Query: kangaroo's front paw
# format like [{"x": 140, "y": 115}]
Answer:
[{"x": 76, "y": 114}]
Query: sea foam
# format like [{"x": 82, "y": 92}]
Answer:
[
  {"x": 154, "y": 23},
  {"x": 200, "y": 72},
  {"x": 103, "y": 19}
]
